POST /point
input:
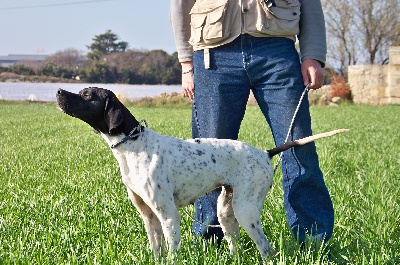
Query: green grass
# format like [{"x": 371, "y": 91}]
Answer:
[{"x": 62, "y": 200}]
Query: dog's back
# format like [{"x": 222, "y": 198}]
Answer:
[{"x": 193, "y": 167}]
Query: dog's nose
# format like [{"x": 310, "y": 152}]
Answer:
[{"x": 60, "y": 92}]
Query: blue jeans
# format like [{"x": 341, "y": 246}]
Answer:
[{"x": 270, "y": 67}]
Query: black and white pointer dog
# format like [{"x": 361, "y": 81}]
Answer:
[{"x": 164, "y": 173}]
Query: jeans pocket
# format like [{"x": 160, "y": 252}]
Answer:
[
  {"x": 281, "y": 17},
  {"x": 207, "y": 22}
]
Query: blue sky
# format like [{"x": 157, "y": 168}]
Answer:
[{"x": 48, "y": 26}]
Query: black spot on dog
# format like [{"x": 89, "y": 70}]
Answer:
[
  {"x": 213, "y": 158},
  {"x": 200, "y": 152}
]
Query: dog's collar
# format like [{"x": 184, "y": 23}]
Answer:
[{"x": 134, "y": 133}]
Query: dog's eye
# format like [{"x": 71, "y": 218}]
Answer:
[{"x": 85, "y": 94}]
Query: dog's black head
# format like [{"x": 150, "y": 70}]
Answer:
[{"x": 99, "y": 108}]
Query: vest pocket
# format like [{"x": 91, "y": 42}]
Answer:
[
  {"x": 207, "y": 25},
  {"x": 282, "y": 17}
]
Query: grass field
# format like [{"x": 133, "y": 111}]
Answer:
[{"x": 62, "y": 200}]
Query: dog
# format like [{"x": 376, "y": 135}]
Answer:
[{"x": 163, "y": 173}]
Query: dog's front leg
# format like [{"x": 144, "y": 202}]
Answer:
[
  {"x": 151, "y": 222},
  {"x": 170, "y": 218},
  {"x": 170, "y": 222}
]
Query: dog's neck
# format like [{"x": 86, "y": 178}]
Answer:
[
  {"x": 129, "y": 123},
  {"x": 130, "y": 129}
]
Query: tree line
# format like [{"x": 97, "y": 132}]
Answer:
[
  {"x": 358, "y": 32},
  {"x": 108, "y": 61}
]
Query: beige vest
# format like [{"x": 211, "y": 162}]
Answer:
[{"x": 217, "y": 22}]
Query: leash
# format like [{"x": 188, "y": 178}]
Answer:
[
  {"x": 291, "y": 123},
  {"x": 132, "y": 134},
  {"x": 197, "y": 221},
  {"x": 277, "y": 162}
]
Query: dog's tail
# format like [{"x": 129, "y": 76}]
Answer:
[{"x": 274, "y": 151}]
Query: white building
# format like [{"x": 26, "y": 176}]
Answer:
[{"x": 12, "y": 59}]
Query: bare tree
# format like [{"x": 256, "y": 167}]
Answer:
[
  {"x": 380, "y": 23},
  {"x": 129, "y": 59},
  {"x": 361, "y": 31},
  {"x": 341, "y": 45},
  {"x": 68, "y": 58}
]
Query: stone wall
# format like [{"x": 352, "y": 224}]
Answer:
[
  {"x": 376, "y": 84},
  {"x": 393, "y": 89}
]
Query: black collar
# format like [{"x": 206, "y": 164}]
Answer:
[{"x": 133, "y": 135}]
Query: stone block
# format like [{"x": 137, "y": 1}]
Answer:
[{"x": 394, "y": 55}]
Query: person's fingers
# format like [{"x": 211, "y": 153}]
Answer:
[
  {"x": 312, "y": 73},
  {"x": 188, "y": 85}
]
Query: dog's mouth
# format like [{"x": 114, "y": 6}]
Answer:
[
  {"x": 64, "y": 100},
  {"x": 62, "y": 105},
  {"x": 64, "y": 111}
]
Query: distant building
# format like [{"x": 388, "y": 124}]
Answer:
[{"x": 12, "y": 59}]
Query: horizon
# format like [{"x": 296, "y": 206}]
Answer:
[{"x": 44, "y": 27}]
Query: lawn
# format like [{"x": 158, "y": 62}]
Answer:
[{"x": 62, "y": 200}]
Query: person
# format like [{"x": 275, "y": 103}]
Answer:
[{"x": 229, "y": 47}]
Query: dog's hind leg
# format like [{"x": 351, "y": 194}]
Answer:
[
  {"x": 247, "y": 207},
  {"x": 151, "y": 223},
  {"x": 226, "y": 218}
]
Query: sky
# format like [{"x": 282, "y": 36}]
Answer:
[{"x": 48, "y": 26}]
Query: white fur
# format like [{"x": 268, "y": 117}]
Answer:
[{"x": 163, "y": 173}]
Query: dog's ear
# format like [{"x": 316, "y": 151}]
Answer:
[{"x": 113, "y": 114}]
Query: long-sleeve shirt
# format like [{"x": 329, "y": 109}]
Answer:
[{"x": 205, "y": 24}]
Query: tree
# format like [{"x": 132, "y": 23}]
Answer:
[
  {"x": 144, "y": 67},
  {"x": 341, "y": 45},
  {"x": 173, "y": 72},
  {"x": 361, "y": 31},
  {"x": 380, "y": 23},
  {"x": 51, "y": 69},
  {"x": 127, "y": 64},
  {"x": 96, "y": 72},
  {"x": 105, "y": 44},
  {"x": 62, "y": 64},
  {"x": 68, "y": 58},
  {"x": 21, "y": 69},
  {"x": 153, "y": 67}
]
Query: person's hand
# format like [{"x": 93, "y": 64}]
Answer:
[
  {"x": 313, "y": 73},
  {"x": 187, "y": 79}
]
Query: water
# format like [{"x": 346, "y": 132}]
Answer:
[{"x": 47, "y": 91}]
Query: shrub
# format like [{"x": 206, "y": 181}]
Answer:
[
  {"x": 21, "y": 69},
  {"x": 339, "y": 88},
  {"x": 164, "y": 100},
  {"x": 51, "y": 69}
]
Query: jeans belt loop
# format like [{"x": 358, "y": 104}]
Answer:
[{"x": 207, "y": 58}]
